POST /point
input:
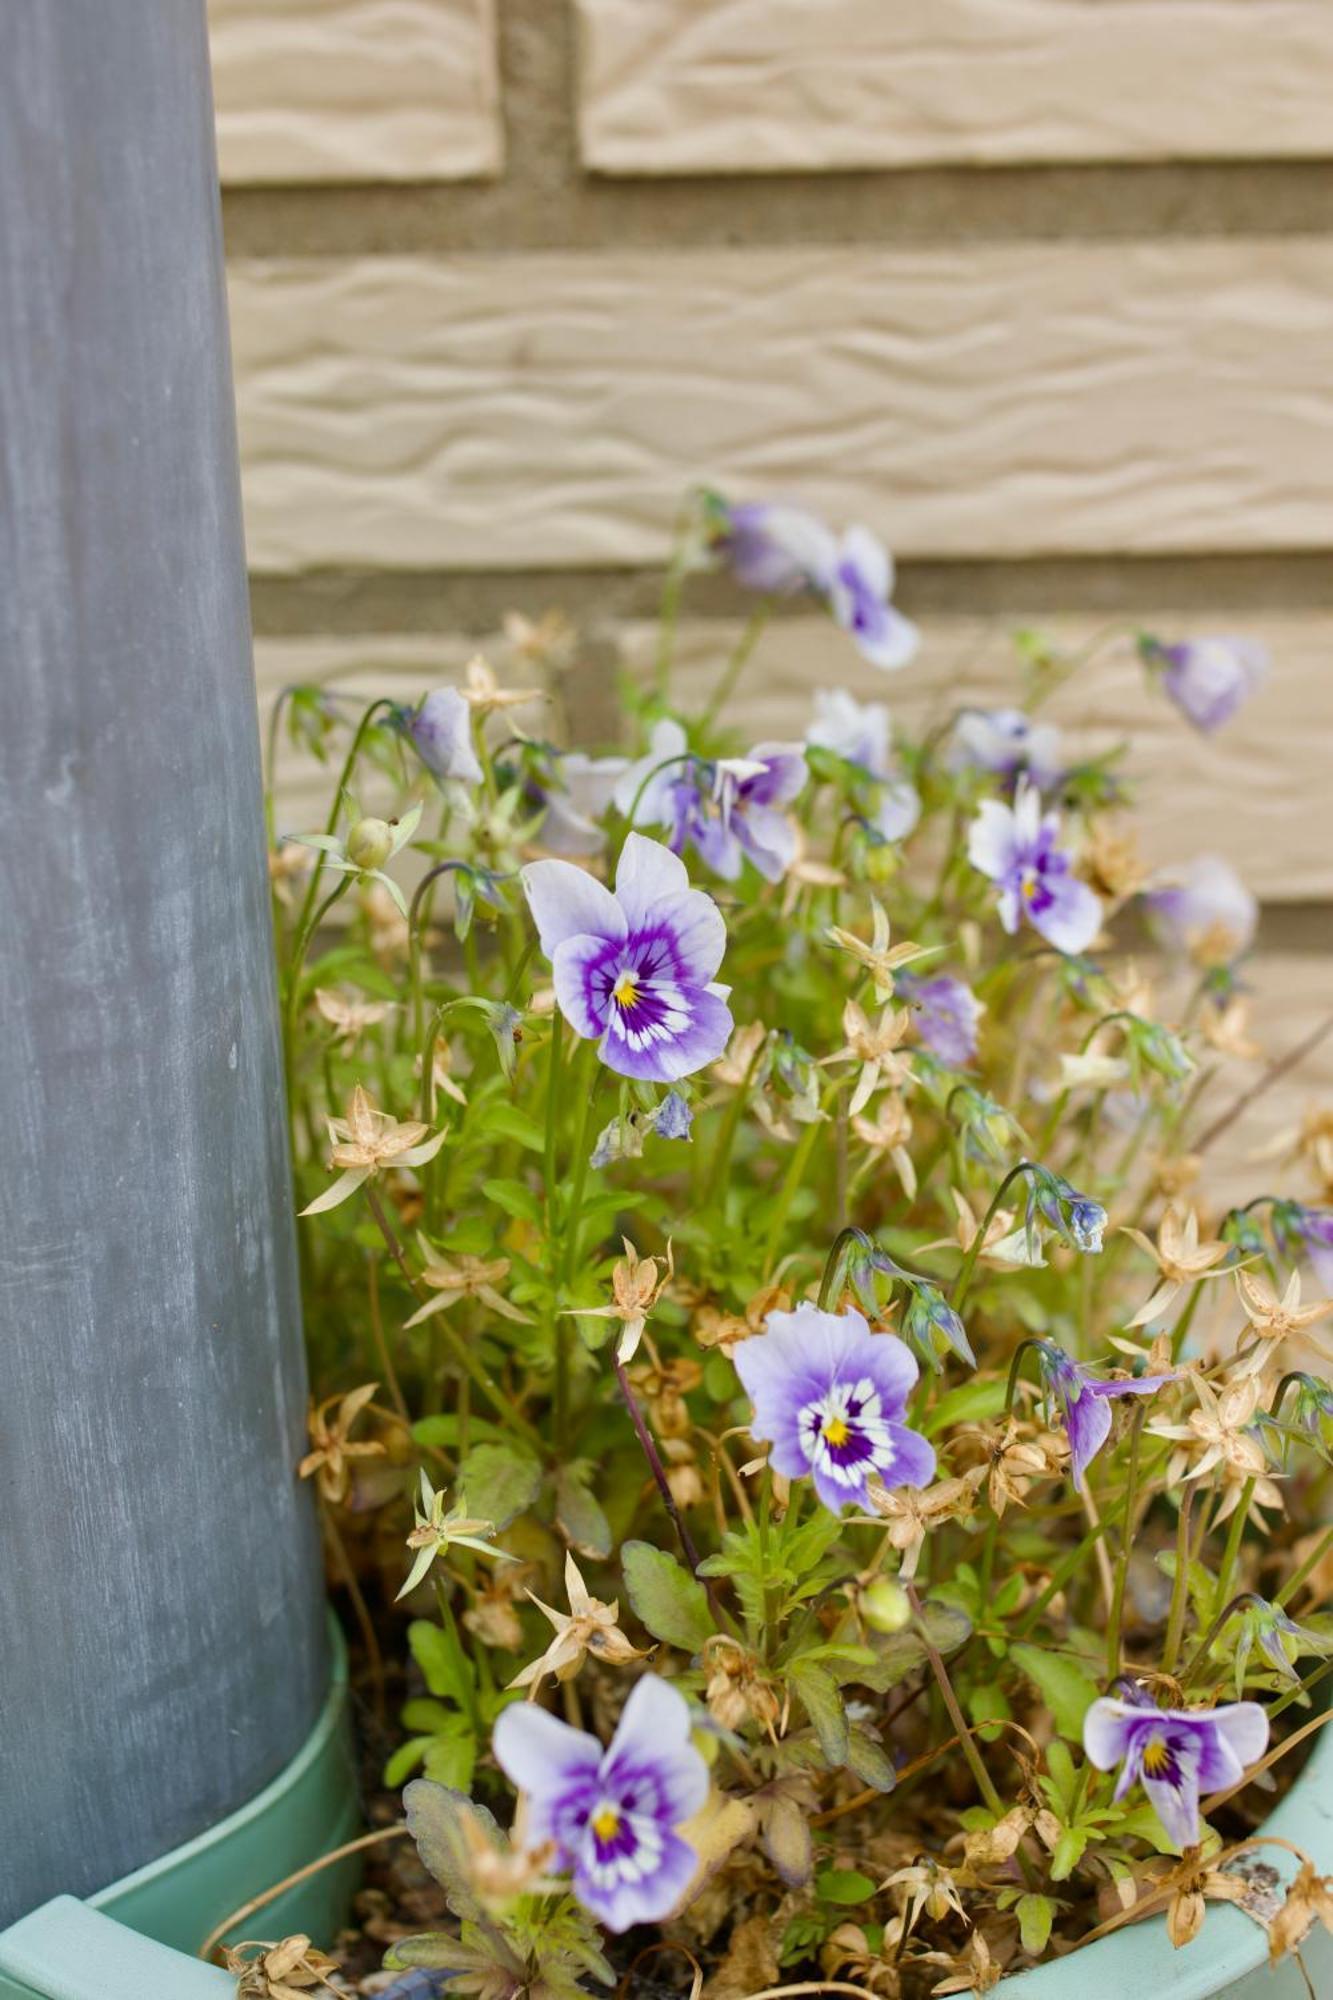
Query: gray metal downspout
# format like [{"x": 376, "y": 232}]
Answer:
[{"x": 162, "y": 1650}]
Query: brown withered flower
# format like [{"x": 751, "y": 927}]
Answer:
[
  {"x": 1273, "y": 1318},
  {"x": 911, "y": 1512},
  {"x": 464, "y": 1277},
  {"x": 665, "y": 1385},
  {"x": 367, "y": 1142},
  {"x": 1310, "y": 1142},
  {"x": 589, "y": 1626},
  {"x": 483, "y": 693},
  {"x": 349, "y": 1019},
  {"x": 547, "y": 641},
  {"x": 1181, "y": 1258},
  {"x": 875, "y": 1046},
  {"x": 635, "y": 1289},
  {"x": 738, "y": 1688},
  {"x": 880, "y": 959},
  {"x": 328, "y": 1461},
  {"x": 682, "y": 1472},
  {"x": 443, "y": 1083},
  {"x": 1225, "y": 1026},
  {"x": 1217, "y": 1436},
  {"x": 1006, "y": 1246},
  {"x": 1017, "y": 1456},
  {"x": 291, "y": 1970},
  {"x": 847, "y": 1953},
  {"x": 1112, "y": 861},
  {"x": 1309, "y": 1900},
  {"x": 927, "y": 1888},
  {"x": 890, "y": 1133},
  {"x": 714, "y": 1328}
]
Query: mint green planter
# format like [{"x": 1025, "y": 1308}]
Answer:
[
  {"x": 1229, "y": 1958},
  {"x": 135, "y": 1940}
]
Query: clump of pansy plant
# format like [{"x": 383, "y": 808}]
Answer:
[{"x": 848, "y": 1487}]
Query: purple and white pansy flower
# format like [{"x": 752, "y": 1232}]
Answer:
[
  {"x": 860, "y": 733},
  {"x": 1207, "y": 679},
  {"x": 612, "y": 1814},
  {"x": 830, "y": 1397},
  {"x": 634, "y": 967},
  {"x": 441, "y": 730},
  {"x": 859, "y": 590},
  {"x": 1203, "y": 911},
  {"x": 1008, "y": 744},
  {"x": 779, "y": 549},
  {"x": 1174, "y": 1753},
  {"x": 1085, "y": 1400},
  {"x": 1018, "y": 847},
  {"x": 947, "y": 1013},
  {"x": 726, "y": 808}
]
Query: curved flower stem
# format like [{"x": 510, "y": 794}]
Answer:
[
  {"x": 1014, "y": 1366},
  {"x": 835, "y": 1261},
  {"x": 731, "y": 673},
  {"x": 973, "y": 1251},
  {"x": 984, "y": 1783},
  {"x": 1115, "y": 1621},
  {"x": 667, "y": 764},
  {"x": 344, "y": 779},
  {"x": 1228, "y": 1610},
  {"x": 1226, "y": 1569},
  {"x": 1175, "y": 1624},
  {"x": 1298, "y": 1576},
  {"x": 658, "y": 1470}
]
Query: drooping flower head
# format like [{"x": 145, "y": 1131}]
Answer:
[
  {"x": 1018, "y": 847},
  {"x": 1086, "y": 1400},
  {"x": 781, "y": 550},
  {"x": 1076, "y": 1218},
  {"x": 611, "y": 1815},
  {"x": 859, "y": 589},
  {"x": 1008, "y": 744},
  {"x": 946, "y": 1012},
  {"x": 1207, "y": 679},
  {"x": 1204, "y": 912},
  {"x": 441, "y": 730},
  {"x": 634, "y": 969},
  {"x": 830, "y": 1397},
  {"x": 1174, "y": 1753},
  {"x": 725, "y": 808}
]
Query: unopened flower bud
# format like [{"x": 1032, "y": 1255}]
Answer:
[
  {"x": 370, "y": 843},
  {"x": 885, "y": 1606}
]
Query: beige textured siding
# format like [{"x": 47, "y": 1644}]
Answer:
[
  {"x": 355, "y": 90},
  {"x": 1010, "y": 401},
  {"x": 707, "y": 86}
]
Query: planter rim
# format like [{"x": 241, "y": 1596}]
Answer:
[{"x": 1230, "y": 1948}]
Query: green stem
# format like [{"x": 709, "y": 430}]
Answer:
[
  {"x": 950, "y": 1700},
  {"x": 791, "y": 1182},
  {"x": 1114, "y": 1622},
  {"x": 1297, "y": 1578},
  {"x": 1236, "y": 1529},
  {"x": 731, "y": 673},
  {"x": 1182, "y": 1325},
  {"x": 969, "y": 1263},
  {"x": 345, "y": 778},
  {"x": 726, "y": 1138},
  {"x": 1175, "y": 1625}
]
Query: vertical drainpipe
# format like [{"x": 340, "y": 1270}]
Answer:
[{"x": 162, "y": 1649}]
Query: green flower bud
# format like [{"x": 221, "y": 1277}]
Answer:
[
  {"x": 370, "y": 843},
  {"x": 885, "y": 1606}
]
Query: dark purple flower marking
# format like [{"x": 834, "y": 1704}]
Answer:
[
  {"x": 1085, "y": 1400},
  {"x": 1174, "y": 1753},
  {"x": 612, "y": 1814},
  {"x": 1018, "y": 847}
]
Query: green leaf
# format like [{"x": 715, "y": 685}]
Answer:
[
  {"x": 505, "y": 1121},
  {"x": 1061, "y": 1767},
  {"x": 452, "y": 1757},
  {"x": 988, "y": 1703},
  {"x": 578, "y": 1513},
  {"x": 436, "y": 1818},
  {"x": 819, "y": 1695},
  {"x": 514, "y": 1198},
  {"x": 1067, "y": 1852},
  {"x": 405, "y": 1759},
  {"x": 445, "y": 1429},
  {"x": 1067, "y": 1688},
  {"x": 1035, "y": 1916},
  {"x": 844, "y": 1885},
  {"x": 970, "y": 1403},
  {"x": 442, "y": 1661},
  {"x": 901, "y": 1653},
  {"x": 498, "y": 1482},
  {"x": 868, "y": 1759},
  {"x": 669, "y": 1601}
]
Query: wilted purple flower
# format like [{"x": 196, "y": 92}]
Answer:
[
  {"x": 634, "y": 970},
  {"x": 1085, "y": 1400},
  {"x": 1206, "y": 911},
  {"x": 1075, "y": 1217},
  {"x": 611, "y": 1815},
  {"x": 1174, "y": 1753},
  {"x": 1018, "y": 848},
  {"x": 947, "y": 1012},
  {"x": 928, "y": 1313},
  {"x": 726, "y": 807},
  {"x": 579, "y": 792},
  {"x": 1008, "y": 744},
  {"x": 830, "y": 1396},
  {"x": 1207, "y": 679},
  {"x": 673, "y": 1117},
  {"x": 441, "y": 729},
  {"x": 859, "y": 588},
  {"x": 1268, "y": 1627}
]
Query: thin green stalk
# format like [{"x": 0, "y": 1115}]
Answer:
[
  {"x": 715, "y": 1187},
  {"x": 731, "y": 673},
  {"x": 345, "y": 778},
  {"x": 983, "y": 1778},
  {"x": 1182, "y": 1325},
  {"x": 1227, "y": 1567},
  {"x": 1115, "y": 1621},
  {"x": 1298, "y": 1576},
  {"x": 973, "y": 1251},
  {"x": 791, "y": 1182},
  {"x": 1175, "y": 1624}
]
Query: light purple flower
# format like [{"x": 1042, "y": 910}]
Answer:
[
  {"x": 726, "y": 807},
  {"x": 1174, "y": 1753},
  {"x": 1086, "y": 1401},
  {"x": 441, "y": 729},
  {"x": 612, "y": 1814},
  {"x": 859, "y": 733},
  {"x": 1314, "y": 1227},
  {"x": 582, "y": 789},
  {"x": 858, "y": 590},
  {"x": 947, "y": 1013},
  {"x": 1207, "y": 679},
  {"x": 1206, "y": 909},
  {"x": 776, "y": 548},
  {"x": 1018, "y": 848},
  {"x": 634, "y": 969},
  {"x": 830, "y": 1397},
  {"x": 1006, "y": 743}
]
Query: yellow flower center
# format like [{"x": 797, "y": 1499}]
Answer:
[
  {"x": 835, "y": 1430},
  {"x": 1156, "y": 1757},
  {"x": 625, "y": 992},
  {"x": 606, "y": 1824},
  {"x": 1030, "y": 886}
]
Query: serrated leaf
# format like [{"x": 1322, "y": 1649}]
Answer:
[
  {"x": 579, "y": 1515},
  {"x": 819, "y": 1695},
  {"x": 667, "y": 1599},
  {"x": 1035, "y": 1916},
  {"x": 498, "y": 1482},
  {"x": 437, "y": 1819},
  {"x": 1067, "y": 1688},
  {"x": 1067, "y": 1852}
]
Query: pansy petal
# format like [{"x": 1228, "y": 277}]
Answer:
[
  {"x": 653, "y": 1739},
  {"x": 1072, "y": 916},
  {"x": 573, "y": 965},
  {"x": 1177, "y": 1806},
  {"x": 643, "y": 1897},
  {"x": 690, "y": 1033},
  {"x": 646, "y": 874},
  {"x": 1108, "y": 1729},
  {"x": 913, "y": 1461},
  {"x": 1237, "y": 1738},
  {"x": 992, "y": 839},
  {"x": 555, "y": 1766},
  {"x": 567, "y": 902}
]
